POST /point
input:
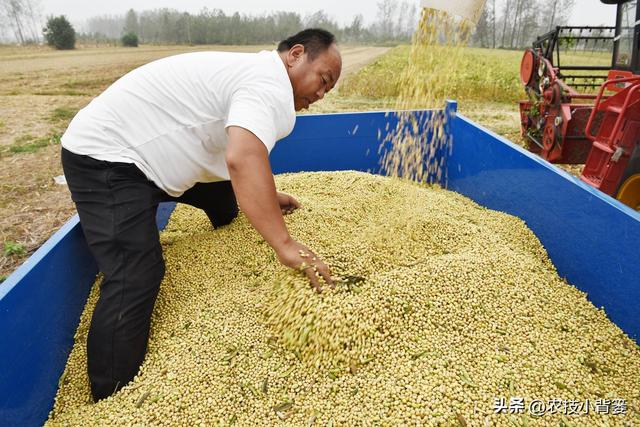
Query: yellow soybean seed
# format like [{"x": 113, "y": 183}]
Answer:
[{"x": 440, "y": 306}]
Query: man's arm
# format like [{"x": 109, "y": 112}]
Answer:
[{"x": 248, "y": 162}]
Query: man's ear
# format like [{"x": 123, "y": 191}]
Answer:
[{"x": 296, "y": 53}]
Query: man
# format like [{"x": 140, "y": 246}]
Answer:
[{"x": 194, "y": 128}]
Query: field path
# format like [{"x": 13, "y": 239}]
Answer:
[
  {"x": 29, "y": 60},
  {"x": 40, "y": 90},
  {"x": 354, "y": 58}
]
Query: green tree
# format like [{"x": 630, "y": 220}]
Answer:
[
  {"x": 130, "y": 40},
  {"x": 59, "y": 33},
  {"x": 131, "y": 22}
]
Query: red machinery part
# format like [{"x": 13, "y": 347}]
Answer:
[
  {"x": 612, "y": 154},
  {"x": 552, "y": 123},
  {"x": 562, "y": 131},
  {"x": 527, "y": 67}
]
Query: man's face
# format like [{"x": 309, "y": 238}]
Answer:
[{"x": 312, "y": 79}]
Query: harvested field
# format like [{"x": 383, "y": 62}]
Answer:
[{"x": 40, "y": 91}]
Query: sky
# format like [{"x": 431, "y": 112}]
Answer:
[{"x": 586, "y": 12}]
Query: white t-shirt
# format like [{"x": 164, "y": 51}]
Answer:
[{"x": 169, "y": 116}]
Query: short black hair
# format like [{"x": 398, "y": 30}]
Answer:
[{"x": 314, "y": 40}]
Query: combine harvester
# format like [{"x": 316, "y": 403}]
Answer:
[
  {"x": 591, "y": 238},
  {"x": 601, "y": 130}
]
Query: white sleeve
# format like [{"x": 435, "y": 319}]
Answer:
[{"x": 250, "y": 111}]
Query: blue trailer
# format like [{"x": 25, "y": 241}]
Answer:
[{"x": 591, "y": 238}]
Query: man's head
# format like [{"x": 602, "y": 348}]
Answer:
[{"x": 313, "y": 63}]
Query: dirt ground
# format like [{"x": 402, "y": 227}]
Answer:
[{"x": 40, "y": 91}]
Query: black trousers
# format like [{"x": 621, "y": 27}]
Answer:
[{"x": 117, "y": 206}]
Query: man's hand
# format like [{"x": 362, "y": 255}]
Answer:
[
  {"x": 248, "y": 163},
  {"x": 296, "y": 255},
  {"x": 287, "y": 203}
]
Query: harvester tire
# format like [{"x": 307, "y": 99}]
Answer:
[{"x": 629, "y": 192}]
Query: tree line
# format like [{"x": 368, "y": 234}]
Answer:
[
  {"x": 20, "y": 21},
  {"x": 516, "y": 23},
  {"x": 503, "y": 24},
  {"x": 396, "y": 21}
]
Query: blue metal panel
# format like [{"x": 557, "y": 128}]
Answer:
[
  {"x": 40, "y": 305},
  {"x": 329, "y": 142},
  {"x": 163, "y": 214},
  {"x": 347, "y": 141},
  {"x": 592, "y": 239}
]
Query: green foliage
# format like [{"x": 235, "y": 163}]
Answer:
[
  {"x": 59, "y": 33},
  {"x": 14, "y": 249},
  {"x": 213, "y": 26},
  {"x": 83, "y": 85},
  {"x": 23, "y": 139},
  {"x": 131, "y": 22},
  {"x": 31, "y": 144},
  {"x": 567, "y": 43},
  {"x": 130, "y": 40},
  {"x": 483, "y": 75},
  {"x": 62, "y": 114}
]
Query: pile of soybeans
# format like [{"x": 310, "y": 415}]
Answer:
[{"x": 440, "y": 307}]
